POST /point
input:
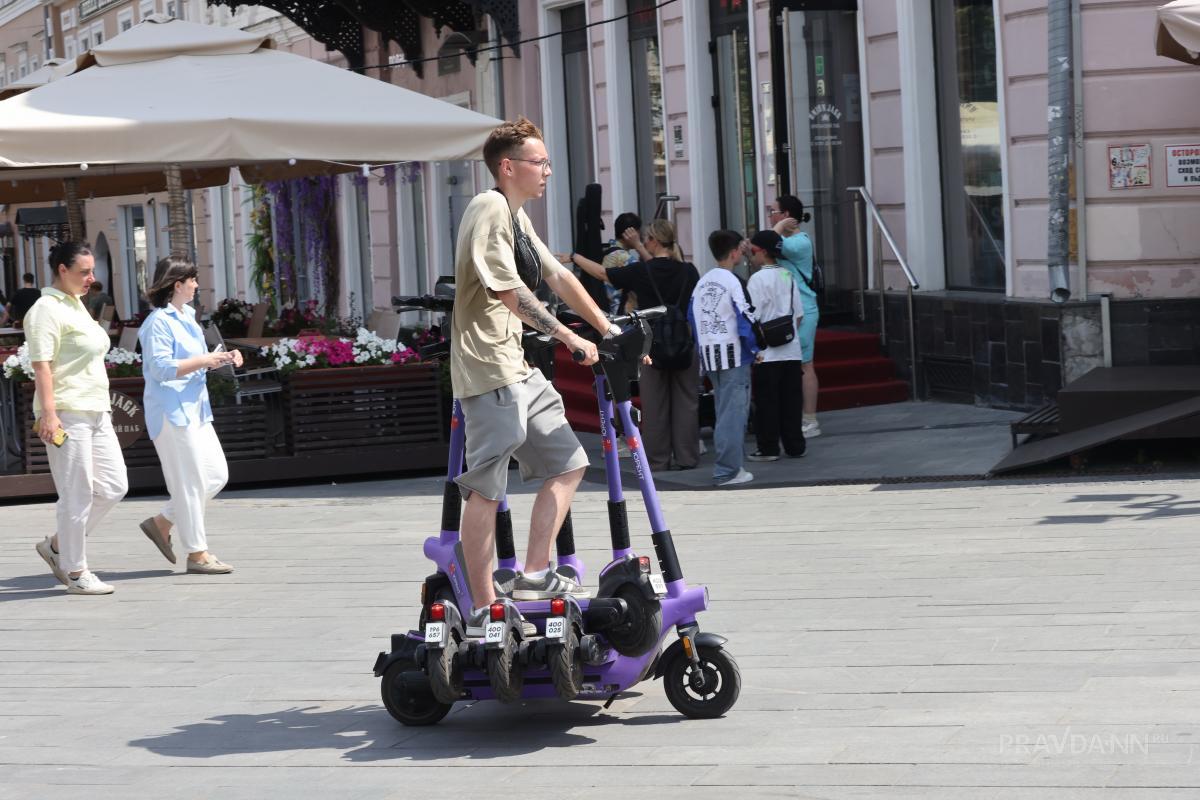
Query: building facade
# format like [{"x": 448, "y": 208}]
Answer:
[{"x": 705, "y": 111}]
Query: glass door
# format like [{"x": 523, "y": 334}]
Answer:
[
  {"x": 735, "y": 115},
  {"x": 821, "y": 146},
  {"x": 137, "y": 255}
]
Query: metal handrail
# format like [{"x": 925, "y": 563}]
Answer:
[
  {"x": 887, "y": 234},
  {"x": 882, "y": 230}
]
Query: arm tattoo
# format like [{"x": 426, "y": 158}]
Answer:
[{"x": 531, "y": 310}]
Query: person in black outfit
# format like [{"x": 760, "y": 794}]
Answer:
[
  {"x": 23, "y": 299},
  {"x": 670, "y": 397}
]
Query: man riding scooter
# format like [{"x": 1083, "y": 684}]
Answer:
[{"x": 510, "y": 410}]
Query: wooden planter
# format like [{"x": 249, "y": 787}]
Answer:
[
  {"x": 241, "y": 429},
  {"x": 352, "y": 408}
]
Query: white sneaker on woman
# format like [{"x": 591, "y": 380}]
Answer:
[
  {"x": 46, "y": 550},
  {"x": 88, "y": 583},
  {"x": 811, "y": 429}
]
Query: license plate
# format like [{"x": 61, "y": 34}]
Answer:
[
  {"x": 658, "y": 584},
  {"x": 556, "y": 627},
  {"x": 494, "y": 633},
  {"x": 435, "y": 633}
]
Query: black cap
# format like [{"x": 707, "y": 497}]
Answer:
[{"x": 770, "y": 241}]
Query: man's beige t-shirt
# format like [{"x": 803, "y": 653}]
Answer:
[
  {"x": 485, "y": 337},
  {"x": 59, "y": 329}
]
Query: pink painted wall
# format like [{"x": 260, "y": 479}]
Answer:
[
  {"x": 882, "y": 96},
  {"x": 1141, "y": 242}
]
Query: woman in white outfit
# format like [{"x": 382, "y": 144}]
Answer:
[
  {"x": 175, "y": 361},
  {"x": 73, "y": 415}
]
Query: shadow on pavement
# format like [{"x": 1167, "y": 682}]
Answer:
[
  {"x": 1132, "y": 507},
  {"x": 367, "y": 733},
  {"x": 26, "y": 587}
]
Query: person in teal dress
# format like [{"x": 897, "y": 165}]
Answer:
[{"x": 786, "y": 218}]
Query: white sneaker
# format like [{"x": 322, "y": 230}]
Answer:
[
  {"x": 811, "y": 429},
  {"x": 88, "y": 583},
  {"x": 46, "y": 551},
  {"x": 703, "y": 449},
  {"x": 741, "y": 477}
]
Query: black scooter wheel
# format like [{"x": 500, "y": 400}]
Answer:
[
  {"x": 640, "y": 631},
  {"x": 504, "y": 671},
  {"x": 566, "y": 670},
  {"x": 706, "y": 692},
  {"x": 445, "y": 675},
  {"x": 406, "y": 696}
]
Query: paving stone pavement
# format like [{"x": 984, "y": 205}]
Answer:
[{"x": 919, "y": 641}]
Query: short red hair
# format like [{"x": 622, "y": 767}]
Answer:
[{"x": 506, "y": 138}]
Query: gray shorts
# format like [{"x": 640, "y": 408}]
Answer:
[{"x": 524, "y": 420}]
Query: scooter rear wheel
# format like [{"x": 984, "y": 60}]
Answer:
[
  {"x": 706, "y": 692},
  {"x": 406, "y": 696},
  {"x": 566, "y": 670},
  {"x": 445, "y": 676},
  {"x": 642, "y": 628},
  {"x": 504, "y": 670}
]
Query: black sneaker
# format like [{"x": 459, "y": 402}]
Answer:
[
  {"x": 759, "y": 455},
  {"x": 479, "y": 620},
  {"x": 549, "y": 585}
]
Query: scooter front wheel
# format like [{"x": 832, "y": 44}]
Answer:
[
  {"x": 504, "y": 670},
  {"x": 406, "y": 696},
  {"x": 706, "y": 690}
]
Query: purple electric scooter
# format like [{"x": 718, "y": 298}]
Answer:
[{"x": 586, "y": 648}]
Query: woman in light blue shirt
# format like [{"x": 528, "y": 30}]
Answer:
[
  {"x": 798, "y": 260},
  {"x": 175, "y": 363}
]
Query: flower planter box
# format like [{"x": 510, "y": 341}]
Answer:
[
  {"x": 241, "y": 429},
  {"x": 349, "y": 408}
]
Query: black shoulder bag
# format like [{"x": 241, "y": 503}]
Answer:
[
  {"x": 529, "y": 266},
  {"x": 781, "y": 330}
]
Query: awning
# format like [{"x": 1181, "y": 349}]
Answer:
[
  {"x": 50, "y": 221},
  {"x": 1178, "y": 33}
]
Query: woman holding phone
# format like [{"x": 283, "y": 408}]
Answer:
[
  {"x": 175, "y": 362},
  {"x": 74, "y": 415}
]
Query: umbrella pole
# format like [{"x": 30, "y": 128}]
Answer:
[
  {"x": 177, "y": 227},
  {"x": 75, "y": 221}
]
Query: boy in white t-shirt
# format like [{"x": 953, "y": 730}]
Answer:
[
  {"x": 778, "y": 374},
  {"x": 721, "y": 316}
]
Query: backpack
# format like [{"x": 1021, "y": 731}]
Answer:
[{"x": 671, "y": 342}]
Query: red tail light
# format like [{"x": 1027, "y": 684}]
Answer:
[
  {"x": 437, "y": 612},
  {"x": 644, "y": 563},
  {"x": 558, "y": 607},
  {"x": 496, "y": 612}
]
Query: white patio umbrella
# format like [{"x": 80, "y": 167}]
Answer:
[
  {"x": 169, "y": 94},
  {"x": 1178, "y": 33}
]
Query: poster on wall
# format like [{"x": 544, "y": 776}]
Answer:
[
  {"x": 1128, "y": 166},
  {"x": 1183, "y": 164}
]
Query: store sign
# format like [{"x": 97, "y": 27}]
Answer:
[
  {"x": 825, "y": 122},
  {"x": 128, "y": 419},
  {"x": 1183, "y": 164}
]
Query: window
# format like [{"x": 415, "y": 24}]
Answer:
[
  {"x": 969, "y": 128},
  {"x": 146, "y": 9},
  {"x": 3, "y": 82},
  {"x": 98, "y": 34},
  {"x": 69, "y": 47},
  {"x": 646, "y": 72},
  {"x": 22, "y": 65},
  {"x": 67, "y": 18},
  {"x": 735, "y": 115},
  {"x": 34, "y": 64},
  {"x": 136, "y": 249},
  {"x": 124, "y": 20},
  {"x": 170, "y": 8},
  {"x": 577, "y": 91},
  {"x": 85, "y": 43}
]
